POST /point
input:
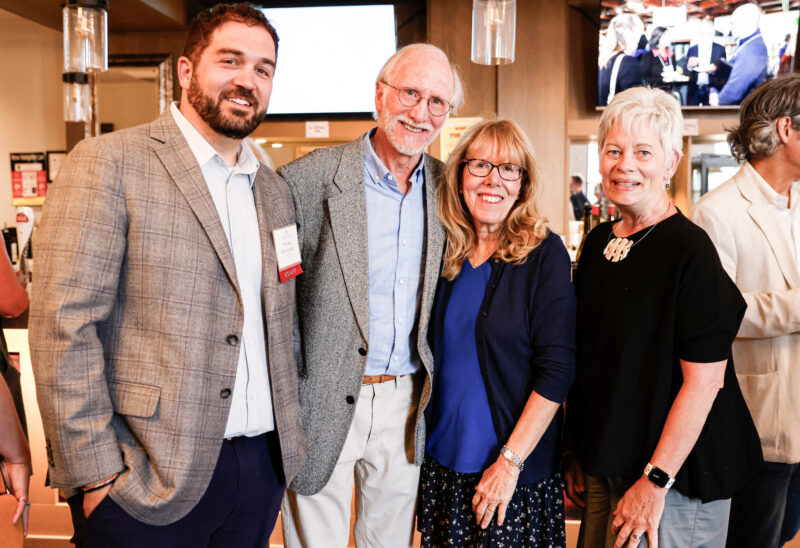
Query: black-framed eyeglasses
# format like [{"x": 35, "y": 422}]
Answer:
[
  {"x": 482, "y": 168},
  {"x": 410, "y": 97}
]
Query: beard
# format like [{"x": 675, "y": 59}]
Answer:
[
  {"x": 234, "y": 126},
  {"x": 389, "y": 125}
]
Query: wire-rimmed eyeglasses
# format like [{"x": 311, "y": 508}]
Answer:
[
  {"x": 482, "y": 168},
  {"x": 410, "y": 97}
]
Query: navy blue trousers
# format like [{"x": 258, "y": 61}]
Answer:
[{"x": 239, "y": 508}]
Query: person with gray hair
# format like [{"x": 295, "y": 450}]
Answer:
[
  {"x": 371, "y": 250},
  {"x": 754, "y": 221},
  {"x": 659, "y": 432}
]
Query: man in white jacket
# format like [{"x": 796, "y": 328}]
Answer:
[{"x": 754, "y": 221}]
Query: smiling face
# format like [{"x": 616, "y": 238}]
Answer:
[
  {"x": 228, "y": 89},
  {"x": 634, "y": 168},
  {"x": 411, "y": 129},
  {"x": 489, "y": 199}
]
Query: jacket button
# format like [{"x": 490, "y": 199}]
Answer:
[
  {"x": 363, "y": 352},
  {"x": 232, "y": 340},
  {"x": 350, "y": 399},
  {"x": 483, "y": 313},
  {"x": 225, "y": 393}
]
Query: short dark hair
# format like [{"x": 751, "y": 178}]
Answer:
[
  {"x": 207, "y": 21},
  {"x": 655, "y": 37},
  {"x": 756, "y": 136}
]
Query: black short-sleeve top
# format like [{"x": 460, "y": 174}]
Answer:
[{"x": 668, "y": 300}]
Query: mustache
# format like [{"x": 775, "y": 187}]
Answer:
[
  {"x": 240, "y": 93},
  {"x": 405, "y": 120}
]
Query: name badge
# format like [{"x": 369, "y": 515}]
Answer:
[{"x": 287, "y": 250}]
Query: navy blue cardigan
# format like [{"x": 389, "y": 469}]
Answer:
[{"x": 525, "y": 335}]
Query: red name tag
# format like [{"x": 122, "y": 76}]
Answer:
[{"x": 286, "y": 274}]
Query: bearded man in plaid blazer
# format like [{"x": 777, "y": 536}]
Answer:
[{"x": 161, "y": 336}]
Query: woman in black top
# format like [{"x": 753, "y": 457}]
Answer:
[
  {"x": 658, "y": 63},
  {"x": 618, "y": 68},
  {"x": 655, "y": 400}
]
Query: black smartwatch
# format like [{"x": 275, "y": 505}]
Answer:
[{"x": 658, "y": 477}]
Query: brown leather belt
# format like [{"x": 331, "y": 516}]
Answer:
[{"x": 377, "y": 379}]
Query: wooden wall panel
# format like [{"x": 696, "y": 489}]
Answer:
[
  {"x": 450, "y": 28},
  {"x": 533, "y": 93}
]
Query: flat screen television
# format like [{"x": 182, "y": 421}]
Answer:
[
  {"x": 706, "y": 54},
  {"x": 329, "y": 57}
]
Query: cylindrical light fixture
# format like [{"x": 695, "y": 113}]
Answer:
[
  {"x": 85, "y": 50},
  {"x": 85, "y": 35},
  {"x": 77, "y": 106},
  {"x": 494, "y": 25}
]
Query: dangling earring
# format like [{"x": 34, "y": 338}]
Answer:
[{"x": 666, "y": 185}]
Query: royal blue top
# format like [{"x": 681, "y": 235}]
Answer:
[
  {"x": 462, "y": 436},
  {"x": 525, "y": 342}
]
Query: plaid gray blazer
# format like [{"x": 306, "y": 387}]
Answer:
[
  {"x": 332, "y": 299},
  {"x": 136, "y": 319}
]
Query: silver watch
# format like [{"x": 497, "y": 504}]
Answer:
[{"x": 512, "y": 457}]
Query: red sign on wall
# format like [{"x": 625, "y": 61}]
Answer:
[{"x": 28, "y": 184}]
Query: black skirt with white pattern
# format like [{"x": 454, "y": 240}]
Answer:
[{"x": 534, "y": 518}]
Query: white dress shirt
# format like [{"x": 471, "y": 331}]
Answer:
[{"x": 232, "y": 192}]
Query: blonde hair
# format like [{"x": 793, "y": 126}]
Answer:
[
  {"x": 523, "y": 228},
  {"x": 616, "y": 38}
]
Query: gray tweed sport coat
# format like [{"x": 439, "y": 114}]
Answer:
[
  {"x": 333, "y": 294},
  {"x": 136, "y": 321}
]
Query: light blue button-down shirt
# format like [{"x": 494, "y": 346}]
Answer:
[
  {"x": 232, "y": 192},
  {"x": 395, "y": 233}
]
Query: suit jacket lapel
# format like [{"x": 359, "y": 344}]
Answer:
[
  {"x": 763, "y": 213},
  {"x": 348, "y": 211},
  {"x": 177, "y": 157},
  {"x": 270, "y": 217},
  {"x": 434, "y": 243}
]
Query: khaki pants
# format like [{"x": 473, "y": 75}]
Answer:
[{"x": 378, "y": 459}]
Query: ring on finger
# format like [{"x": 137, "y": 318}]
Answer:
[{"x": 634, "y": 536}]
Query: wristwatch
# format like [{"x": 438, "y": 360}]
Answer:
[
  {"x": 658, "y": 477},
  {"x": 513, "y": 457}
]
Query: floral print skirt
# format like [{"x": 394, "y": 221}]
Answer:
[{"x": 534, "y": 518}]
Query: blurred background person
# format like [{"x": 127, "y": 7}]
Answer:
[
  {"x": 749, "y": 60},
  {"x": 658, "y": 64},
  {"x": 577, "y": 198},
  {"x": 702, "y": 61},
  {"x": 656, "y": 401},
  {"x": 15, "y": 456},
  {"x": 13, "y": 302},
  {"x": 619, "y": 68},
  {"x": 754, "y": 221},
  {"x": 502, "y": 336}
]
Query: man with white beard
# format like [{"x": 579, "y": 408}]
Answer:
[{"x": 371, "y": 248}]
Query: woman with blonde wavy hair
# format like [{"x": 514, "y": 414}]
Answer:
[{"x": 502, "y": 335}]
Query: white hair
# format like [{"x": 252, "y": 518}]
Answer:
[
  {"x": 651, "y": 108},
  {"x": 458, "y": 89}
]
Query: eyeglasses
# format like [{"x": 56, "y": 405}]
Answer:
[
  {"x": 410, "y": 97},
  {"x": 482, "y": 168}
]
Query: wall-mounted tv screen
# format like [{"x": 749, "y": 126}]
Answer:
[
  {"x": 706, "y": 54},
  {"x": 329, "y": 57}
]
